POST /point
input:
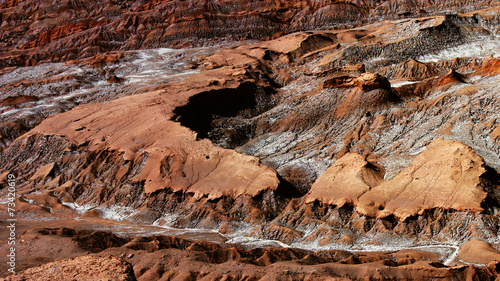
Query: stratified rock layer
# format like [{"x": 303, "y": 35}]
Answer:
[
  {"x": 447, "y": 175},
  {"x": 34, "y": 31},
  {"x": 381, "y": 136}
]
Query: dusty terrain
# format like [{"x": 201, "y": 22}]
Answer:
[
  {"x": 280, "y": 140},
  {"x": 104, "y": 256}
]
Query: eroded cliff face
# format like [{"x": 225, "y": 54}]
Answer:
[
  {"x": 382, "y": 136},
  {"x": 58, "y": 31}
]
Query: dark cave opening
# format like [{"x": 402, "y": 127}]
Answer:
[{"x": 224, "y": 115}]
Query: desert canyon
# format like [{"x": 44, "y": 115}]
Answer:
[{"x": 250, "y": 140}]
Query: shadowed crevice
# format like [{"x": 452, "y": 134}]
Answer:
[{"x": 224, "y": 115}]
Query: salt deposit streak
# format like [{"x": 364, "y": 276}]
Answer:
[
  {"x": 449, "y": 252},
  {"x": 452, "y": 257},
  {"x": 116, "y": 213},
  {"x": 252, "y": 242},
  {"x": 80, "y": 209},
  {"x": 480, "y": 48},
  {"x": 398, "y": 84}
]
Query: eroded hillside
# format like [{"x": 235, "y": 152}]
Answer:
[{"x": 383, "y": 136}]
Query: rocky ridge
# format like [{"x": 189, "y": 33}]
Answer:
[{"x": 43, "y": 31}]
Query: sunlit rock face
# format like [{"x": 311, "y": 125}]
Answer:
[
  {"x": 58, "y": 31},
  {"x": 336, "y": 126}
]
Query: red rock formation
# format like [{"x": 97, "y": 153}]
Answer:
[
  {"x": 81, "y": 268},
  {"x": 10, "y": 101},
  {"x": 352, "y": 171},
  {"x": 420, "y": 186},
  {"x": 478, "y": 252},
  {"x": 410, "y": 69},
  {"x": 365, "y": 82},
  {"x": 489, "y": 67},
  {"x": 160, "y": 257},
  {"x": 450, "y": 78},
  {"x": 327, "y": 152},
  {"x": 174, "y": 158},
  {"x": 44, "y": 30}
]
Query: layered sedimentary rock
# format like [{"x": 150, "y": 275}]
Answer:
[
  {"x": 151, "y": 156},
  {"x": 234, "y": 101},
  {"x": 382, "y": 136},
  {"x": 458, "y": 184},
  {"x": 172, "y": 158},
  {"x": 420, "y": 186},
  {"x": 46, "y": 31}
]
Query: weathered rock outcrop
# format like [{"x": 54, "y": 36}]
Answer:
[
  {"x": 343, "y": 183},
  {"x": 380, "y": 136},
  {"x": 46, "y": 31},
  {"x": 80, "y": 268},
  {"x": 478, "y": 252},
  {"x": 172, "y": 156},
  {"x": 139, "y": 157},
  {"x": 456, "y": 184}
]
